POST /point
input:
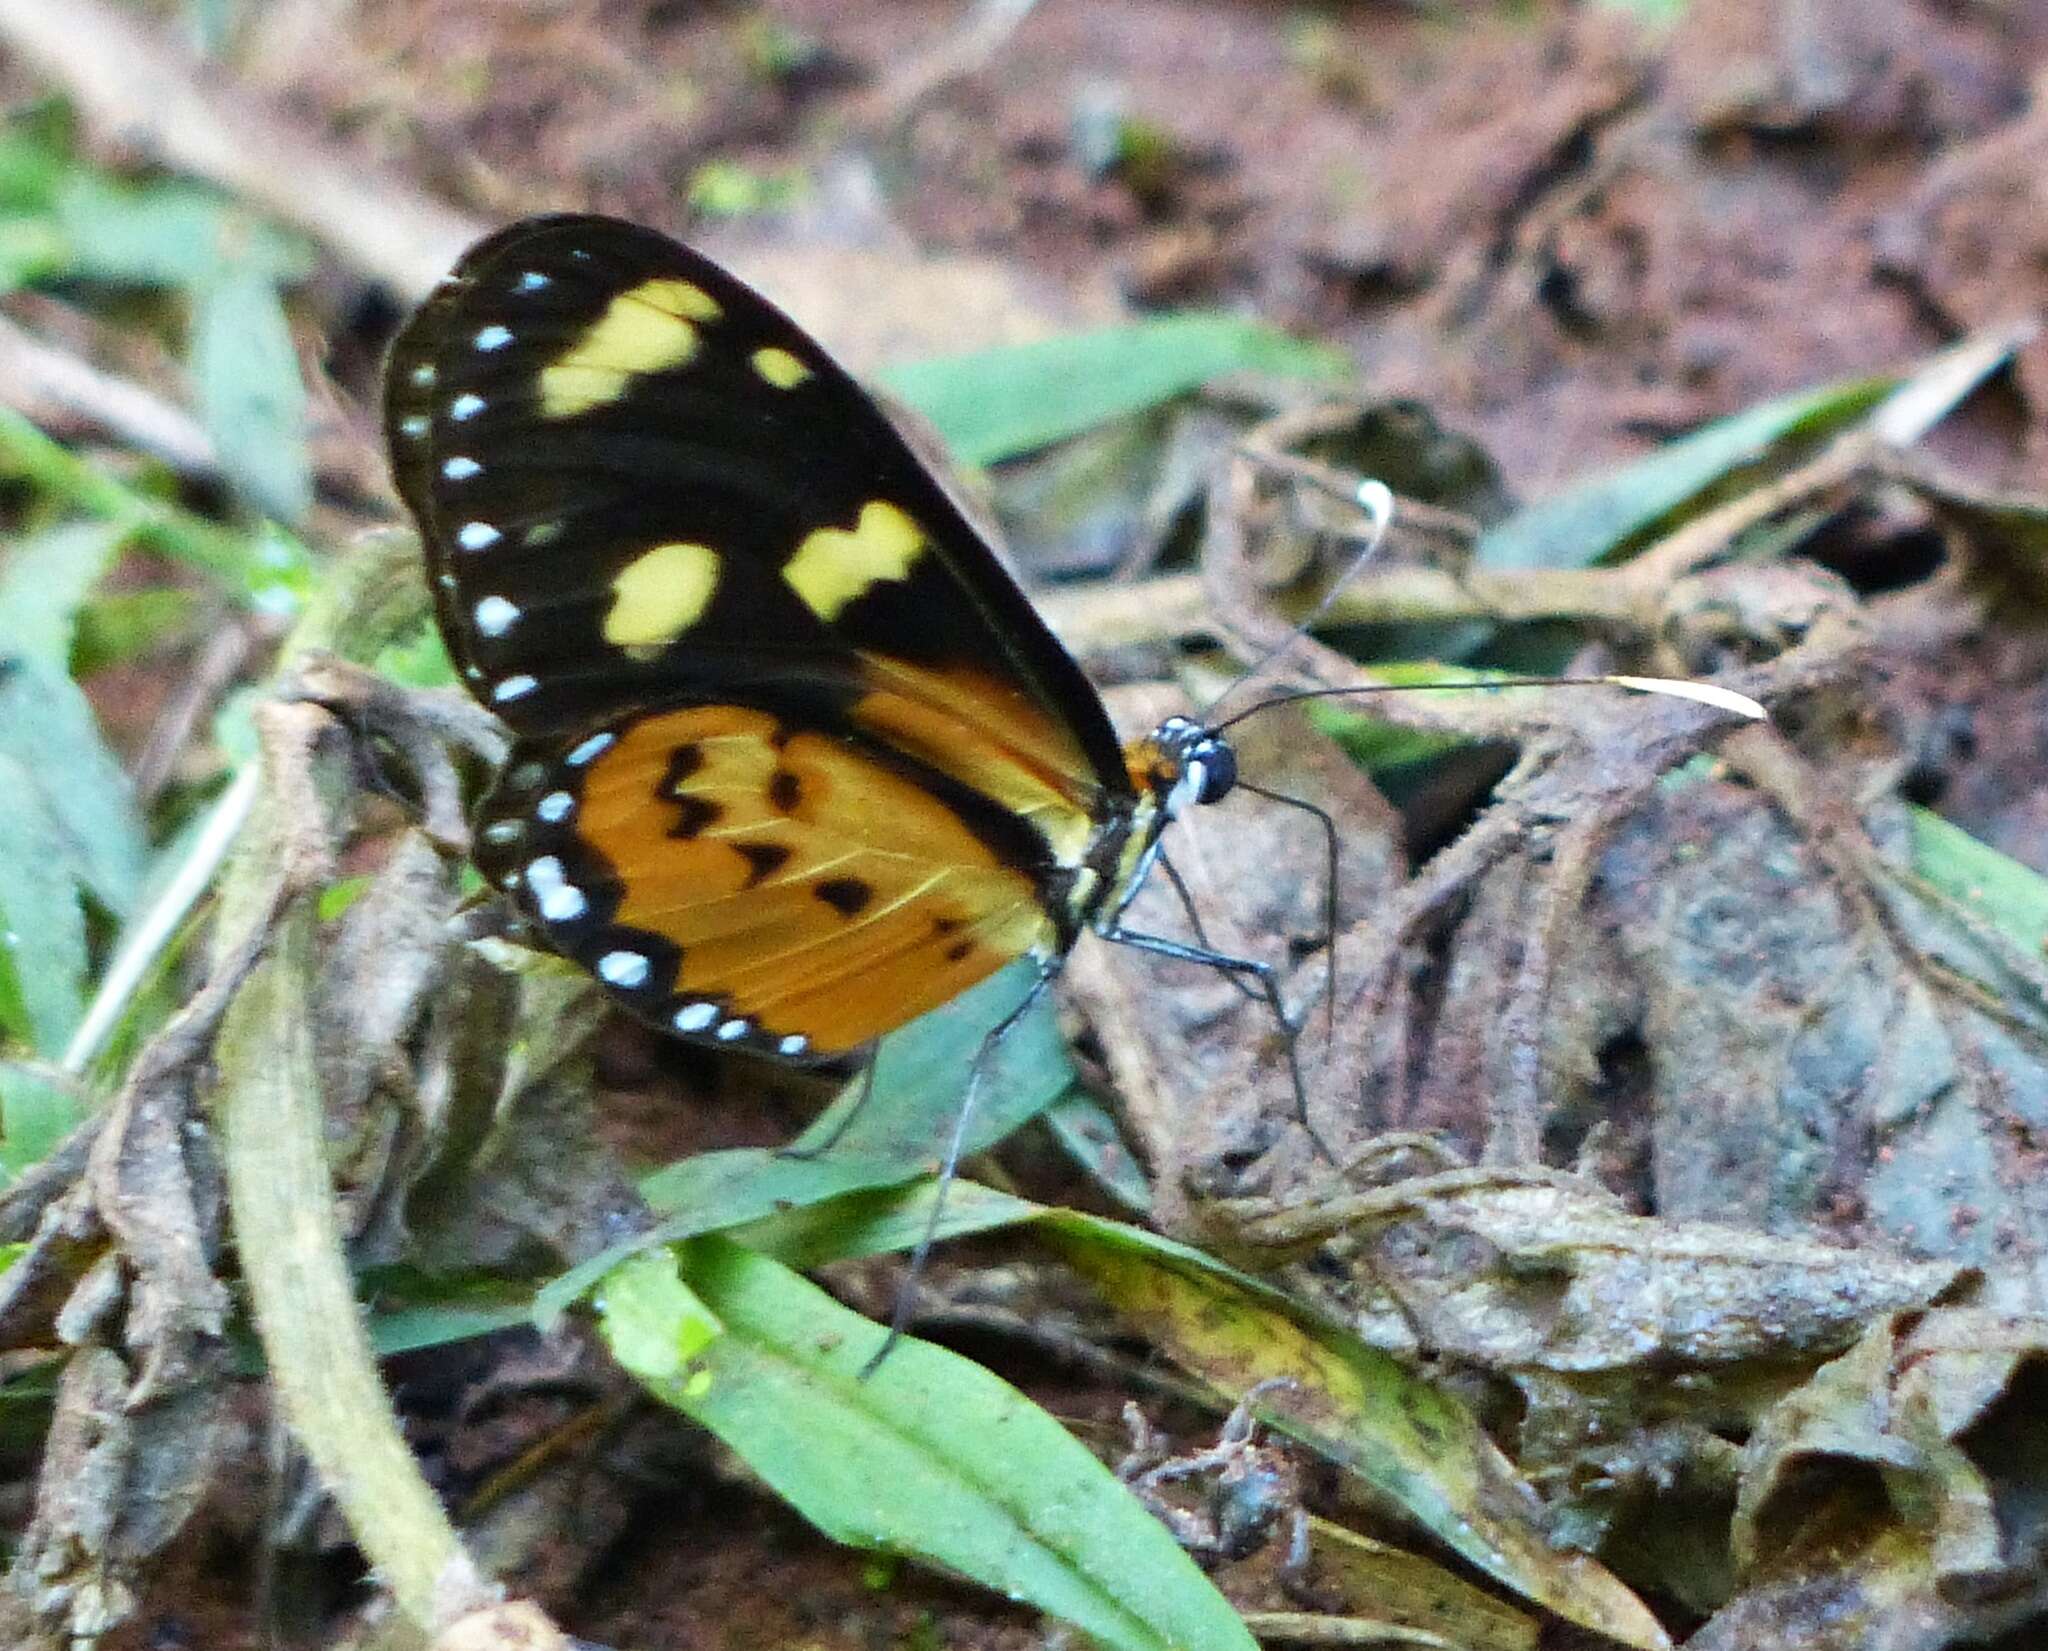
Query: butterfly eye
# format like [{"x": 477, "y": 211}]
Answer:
[{"x": 1219, "y": 769}]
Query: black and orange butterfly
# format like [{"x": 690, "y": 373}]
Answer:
[{"x": 796, "y": 761}]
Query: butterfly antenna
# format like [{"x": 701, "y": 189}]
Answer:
[
  {"x": 1701, "y": 693},
  {"x": 949, "y": 1166},
  {"x": 1376, "y": 500},
  {"x": 1329, "y": 825}
]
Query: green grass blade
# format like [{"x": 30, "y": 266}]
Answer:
[
  {"x": 1597, "y": 519},
  {"x": 996, "y": 404}
]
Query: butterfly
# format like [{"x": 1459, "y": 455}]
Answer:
[{"x": 795, "y": 761}]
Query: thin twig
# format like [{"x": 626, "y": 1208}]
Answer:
[
  {"x": 39, "y": 378},
  {"x": 154, "y": 930},
  {"x": 137, "y": 90},
  {"x": 220, "y": 661},
  {"x": 964, "y": 51}
]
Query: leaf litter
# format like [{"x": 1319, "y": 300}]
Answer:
[
  {"x": 1682, "y": 1075},
  {"x": 1787, "y": 1070}
]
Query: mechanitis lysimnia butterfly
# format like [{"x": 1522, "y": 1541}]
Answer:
[{"x": 795, "y": 759}]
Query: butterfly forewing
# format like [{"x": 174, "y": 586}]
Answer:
[
  {"x": 797, "y": 761},
  {"x": 637, "y": 480}
]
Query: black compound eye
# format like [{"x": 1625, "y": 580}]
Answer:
[{"x": 1219, "y": 770}]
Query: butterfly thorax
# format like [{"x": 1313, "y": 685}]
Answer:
[{"x": 1180, "y": 763}]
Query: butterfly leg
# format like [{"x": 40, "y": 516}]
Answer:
[
  {"x": 1188, "y": 909},
  {"x": 836, "y": 1131},
  {"x": 1268, "y": 983},
  {"x": 949, "y": 1166}
]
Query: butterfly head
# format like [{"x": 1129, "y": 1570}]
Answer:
[{"x": 1183, "y": 763}]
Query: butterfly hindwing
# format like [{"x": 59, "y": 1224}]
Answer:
[
  {"x": 797, "y": 760},
  {"x": 730, "y": 875}
]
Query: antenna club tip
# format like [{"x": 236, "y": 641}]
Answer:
[
  {"x": 1376, "y": 499},
  {"x": 1703, "y": 693}
]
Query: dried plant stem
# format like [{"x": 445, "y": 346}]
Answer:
[
  {"x": 1175, "y": 606},
  {"x": 268, "y": 1108},
  {"x": 290, "y": 1245}
]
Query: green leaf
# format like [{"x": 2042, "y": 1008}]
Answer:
[
  {"x": 1359, "y": 1407},
  {"x": 924, "y": 1071},
  {"x": 1090, "y": 1135},
  {"x": 68, "y": 821},
  {"x": 35, "y": 1115},
  {"x": 166, "y": 234},
  {"x": 1996, "y": 887},
  {"x": 83, "y": 829},
  {"x": 119, "y": 626},
  {"x": 1599, "y": 519},
  {"x": 901, "y": 1131},
  {"x": 251, "y": 397},
  {"x": 714, "y": 1190},
  {"x": 44, "y": 585},
  {"x": 726, "y": 189},
  {"x": 655, "y": 1323},
  {"x": 1653, "y": 14},
  {"x": 42, "y": 928},
  {"x": 33, "y": 165},
  {"x": 268, "y": 571},
  {"x": 32, "y": 248},
  {"x": 899, "y": 1135},
  {"x": 930, "y": 1456},
  {"x": 999, "y": 403},
  {"x": 420, "y": 661},
  {"x": 336, "y": 898},
  {"x": 407, "y": 1328},
  {"x": 877, "y": 1220}
]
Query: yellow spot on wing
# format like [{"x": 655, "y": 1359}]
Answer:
[
  {"x": 660, "y": 594},
  {"x": 644, "y": 330},
  {"x": 833, "y": 566},
  {"x": 780, "y": 368}
]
